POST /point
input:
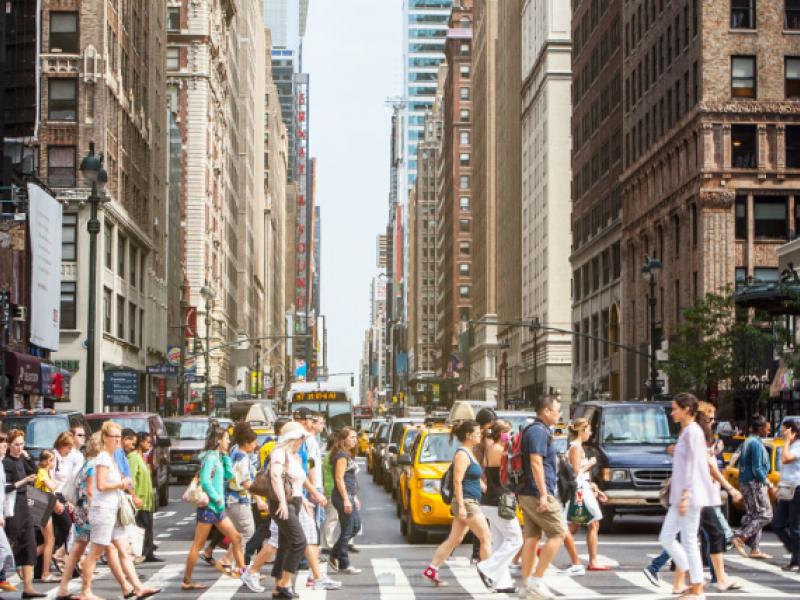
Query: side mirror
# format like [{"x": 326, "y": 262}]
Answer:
[
  {"x": 392, "y": 449},
  {"x": 164, "y": 442},
  {"x": 404, "y": 460}
]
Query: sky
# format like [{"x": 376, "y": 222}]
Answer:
[{"x": 353, "y": 53}]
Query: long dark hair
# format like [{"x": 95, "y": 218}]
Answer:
[
  {"x": 686, "y": 400},
  {"x": 339, "y": 438},
  {"x": 214, "y": 436},
  {"x": 461, "y": 430},
  {"x": 789, "y": 424},
  {"x": 758, "y": 423}
]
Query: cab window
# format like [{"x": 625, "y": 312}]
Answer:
[
  {"x": 438, "y": 447},
  {"x": 409, "y": 438}
]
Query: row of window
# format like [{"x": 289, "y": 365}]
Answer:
[
  {"x": 600, "y": 57},
  {"x": 599, "y": 326},
  {"x": 771, "y": 219},
  {"x": 646, "y": 16},
  {"x": 745, "y": 16},
  {"x": 603, "y": 106},
  {"x": 593, "y": 170},
  {"x": 598, "y": 272},
  {"x": 589, "y": 22},
  {"x": 744, "y": 77},
  {"x": 121, "y": 318},
  {"x": 604, "y": 212}
]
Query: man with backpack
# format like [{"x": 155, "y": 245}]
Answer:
[{"x": 537, "y": 498}]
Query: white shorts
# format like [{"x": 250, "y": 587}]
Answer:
[
  {"x": 104, "y": 526},
  {"x": 273, "y": 533},
  {"x": 309, "y": 526}
]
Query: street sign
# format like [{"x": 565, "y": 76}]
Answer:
[
  {"x": 121, "y": 387},
  {"x": 191, "y": 378},
  {"x": 162, "y": 369},
  {"x": 220, "y": 396}
]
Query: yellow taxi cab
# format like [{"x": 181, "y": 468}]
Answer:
[
  {"x": 422, "y": 509},
  {"x": 371, "y": 436},
  {"x": 731, "y": 473},
  {"x": 409, "y": 436},
  {"x": 363, "y": 442}
]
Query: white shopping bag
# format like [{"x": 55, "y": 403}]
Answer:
[{"x": 135, "y": 538}]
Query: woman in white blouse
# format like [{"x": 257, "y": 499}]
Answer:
[{"x": 690, "y": 490}]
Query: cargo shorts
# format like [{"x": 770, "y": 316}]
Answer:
[{"x": 550, "y": 522}]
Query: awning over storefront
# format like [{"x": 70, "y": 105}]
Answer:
[
  {"x": 780, "y": 297},
  {"x": 25, "y": 372}
]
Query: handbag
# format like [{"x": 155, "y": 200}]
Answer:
[
  {"x": 194, "y": 493},
  {"x": 785, "y": 491},
  {"x": 40, "y": 506},
  {"x": 578, "y": 512},
  {"x": 126, "y": 513},
  {"x": 260, "y": 483},
  {"x": 507, "y": 506},
  {"x": 9, "y": 503},
  {"x": 269, "y": 488}
]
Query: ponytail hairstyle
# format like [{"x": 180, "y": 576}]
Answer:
[
  {"x": 685, "y": 400},
  {"x": 45, "y": 457},
  {"x": 577, "y": 427},
  {"x": 495, "y": 433},
  {"x": 461, "y": 430}
]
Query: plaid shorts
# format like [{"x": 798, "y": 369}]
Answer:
[{"x": 309, "y": 526}]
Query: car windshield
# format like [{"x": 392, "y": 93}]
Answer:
[
  {"x": 40, "y": 432},
  {"x": 136, "y": 424},
  {"x": 187, "y": 430},
  {"x": 438, "y": 447},
  {"x": 624, "y": 425}
]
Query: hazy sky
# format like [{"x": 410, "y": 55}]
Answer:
[{"x": 353, "y": 54}]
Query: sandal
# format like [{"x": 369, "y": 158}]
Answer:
[
  {"x": 148, "y": 593},
  {"x": 50, "y": 578},
  {"x": 733, "y": 585},
  {"x": 188, "y": 586},
  {"x": 131, "y": 594},
  {"x": 208, "y": 559}
]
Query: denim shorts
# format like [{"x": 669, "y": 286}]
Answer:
[{"x": 208, "y": 516}]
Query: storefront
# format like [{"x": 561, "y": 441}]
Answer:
[{"x": 25, "y": 374}]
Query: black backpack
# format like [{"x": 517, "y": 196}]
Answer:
[
  {"x": 567, "y": 484},
  {"x": 446, "y": 485}
]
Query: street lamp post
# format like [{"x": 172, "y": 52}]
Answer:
[
  {"x": 650, "y": 270},
  {"x": 182, "y": 338},
  {"x": 209, "y": 296},
  {"x": 92, "y": 169}
]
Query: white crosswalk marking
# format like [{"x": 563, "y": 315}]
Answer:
[
  {"x": 165, "y": 575},
  {"x": 223, "y": 589},
  {"x": 310, "y": 593},
  {"x": 762, "y": 566},
  {"x": 570, "y": 587},
  {"x": 74, "y": 584},
  {"x": 392, "y": 581},
  {"x": 468, "y": 578},
  {"x": 164, "y": 514}
]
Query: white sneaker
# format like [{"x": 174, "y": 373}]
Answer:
[
  {"x": 327, "y": 584},
  {"x": 351, "y": 570},
  {"x": 574, "y": 571},
  {"x": 251, "y": 580},
  {"x": 538, "y": 591}
]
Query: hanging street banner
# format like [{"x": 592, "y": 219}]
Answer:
[{"x": 44, "y": 221}]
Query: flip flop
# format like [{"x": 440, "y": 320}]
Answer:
[
  {"x": 148, "y": 593},
  {"x": 733, "y": 585},
  {"x": 208, "y": 559},
  {"x": 188, "y": 586}
]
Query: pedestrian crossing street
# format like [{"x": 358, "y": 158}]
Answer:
[{"x": 399, "y": 577}]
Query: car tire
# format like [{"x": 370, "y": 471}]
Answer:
[
  {"x": 398, "y": 505},
  {"x": 163, "y": 495},
  {"x": 387, "y": 484},
  {"x": 377, "y": 477},
  {"x": 415, "y": 535},
  {"x": 607, "y": 522},
  {"x": 403, "y": 522}
]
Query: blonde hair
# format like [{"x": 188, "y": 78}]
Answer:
[
  {"x": 94, "y": 445},
  {"x": 577, "y": 427},
  {"x": 706, "y": 408}
]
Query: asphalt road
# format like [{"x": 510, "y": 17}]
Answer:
[{"x": 392, "y": 569}]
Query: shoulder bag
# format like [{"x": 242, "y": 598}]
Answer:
[
  {"x": 507, "y": 506},
  {"x": 785, "y": 491},
  {"x": 126, "y": 513}
]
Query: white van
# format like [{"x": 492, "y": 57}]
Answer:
[{"x": 463, "y": 410}]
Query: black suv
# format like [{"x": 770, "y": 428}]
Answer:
[
  {"x": 42, "y": 426},
  {"x": 629, "y": 441}
]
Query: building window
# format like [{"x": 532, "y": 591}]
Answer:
[
  {"x": 134, "y": 264},
  {"x": 131, "y": 322},
  {"x": 69, "y": 237},
  {"x": 463, "y": 159},
  {"x": 121, "y": 243},
  {"x": 64, "y": 32},
  {"x": 107, "y": 310},
  {"x": 141, "y": 271},
  {"x": 463, "y": 225},
  {"x": 743, "y": 14},
  {"x": 120, "y": 317},
  {"x": 464, "y": 71},
  {"x": 463, "y": 137},
  {"x": 108, "y": 235},
  {"x": 464, "y": 182},
  {"x": 61, "y": 166},
  {"x": 743, "y": 76},
  {"x": 463, "y": 114},
  {"x": 463, "y": 248},
  {"x": 744, "y": 146},
  {"x": 463, "y": 268},
  {"x": 741, "y": 276},
  {"x": 173, "y": 59},
  {"x": 464, "y": 201},
  {"x": 741, "y": 217},
  {"x": 793, "y": 147},
  {"x": 770, "y": 217},
  {"x": 63, "y": 99},
  {"x": 141, "y": 328},
  {"x": 793, "y": 78},
  {"x": 464, "y": 48},
  {"x": 463, "y": 291},
  {"x": 463, "y": 93},
  {"x": 766, "y": 274},
  {"x": 68, "y": 305},
  {"x": 792, "y": 14},
  {"x": 174, "y": 18}
]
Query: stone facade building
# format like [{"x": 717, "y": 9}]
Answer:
[
  {"x": 102, "y": 82},
  {"x": 596, "y": 207},
  {"x": 712, "y": 153},
  {"x": 454, "y": 196},
  {"x": 546, "y": 111}
]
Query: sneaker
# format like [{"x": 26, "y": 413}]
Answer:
[
  {"x": 327, "y": 584},
  {"x": 333, "y": 564},
  {"x": 353, "y": 549},
  {"x": 574, "y": 571},
  {"x": 515, "y": 569},
  {"x": 787, "y": 568},
  {"x": 653, "y": 577},
  {"x": 351, "y": 570},
  {"x": 432, "y": 575},
  {"x": 538, "y": 591},
  {"x": 251, "y": 580},
  {"x": 7, "y": 586}
]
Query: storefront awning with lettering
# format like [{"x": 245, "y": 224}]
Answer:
[{"x": 25, "y": 372}]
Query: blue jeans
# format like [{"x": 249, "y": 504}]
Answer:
[
  {"x": 658, "y": 562},
  {"x": 347, "y": 528},
  {"x": 786, "y": 525}
]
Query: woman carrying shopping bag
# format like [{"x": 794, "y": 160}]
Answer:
[{"x": 584, "y": 508}]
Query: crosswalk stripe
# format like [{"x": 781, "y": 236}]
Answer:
[
  {"x": 164, "y": 576},
  {"x": 74, "y": 584},
  {"x": 310, "y": 593},
  {"x": 569, "y": 587},
  {"x": 392, "y": 581},
  {"x": 468, "y": 578},
  {"x": 762, "y": 566},
  {"x": 223, "y": 588},
  {"x": 637, "y": 578}
]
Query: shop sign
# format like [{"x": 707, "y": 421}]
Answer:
[
  {"x": 121, "y": 387},
  {"x": 24, "y": 371}
]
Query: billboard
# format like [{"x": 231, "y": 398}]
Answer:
[{"x": 44, "y": 221}]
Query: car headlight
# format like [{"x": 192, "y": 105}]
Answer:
[
  {"x": 616, "y": 475},
  {"x": 431, "y": 486}
]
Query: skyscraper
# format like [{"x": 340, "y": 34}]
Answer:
[{"x": 425, "y": 24}]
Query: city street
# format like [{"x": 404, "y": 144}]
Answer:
[{"x": 392, "y": 569}]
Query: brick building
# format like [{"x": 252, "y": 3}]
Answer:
[
  {"x": 712, "y": 153},
  {"x": 596, "y": 206},
  {"x": 454, "y": 196}
]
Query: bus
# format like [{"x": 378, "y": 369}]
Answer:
[{"x": 333, "y": 401}]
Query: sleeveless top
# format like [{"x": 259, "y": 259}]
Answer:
[
  {"x": 494, "y": 488},
  {"x": 471, "y": 484}
]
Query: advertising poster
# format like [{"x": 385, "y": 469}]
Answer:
[{"x": 44, "y": 220}]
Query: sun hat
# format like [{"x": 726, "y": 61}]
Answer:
[{"x": 292, "y": 431}]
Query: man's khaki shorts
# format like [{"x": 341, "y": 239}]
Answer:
[
  {"x": 551, "y": 522},
  {"x": 473, "y": 508}
]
